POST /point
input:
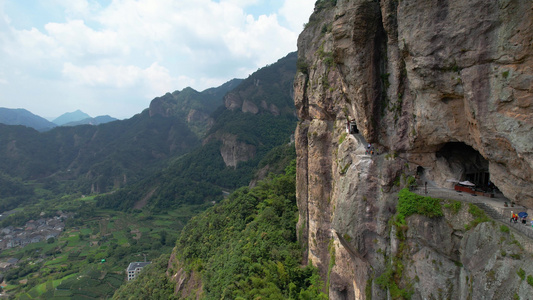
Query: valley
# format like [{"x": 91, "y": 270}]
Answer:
[
  {"x": 95, "y": 198},
  {"x": 380, "y": 161}
]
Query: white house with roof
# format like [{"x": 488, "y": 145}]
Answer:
[{"x": 135, "y": 268}]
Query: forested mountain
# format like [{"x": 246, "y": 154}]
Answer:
[
  {"x": 21, "y": 116},
  {"x": 193, "y": 106},
  {"x": 129, "y": 186},
  {"x": 13, "y": 193},
  {"x": 95, "y": 159},
  {"x": 231, "y": 153},
  {"x": 98, "y": 159}
]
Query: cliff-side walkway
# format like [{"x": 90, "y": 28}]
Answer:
[{"x": 494, "y": 207}]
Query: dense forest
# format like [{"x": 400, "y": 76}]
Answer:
[
  {"x": 93, "y": 158},
  {"x": 243, "y": 248}
]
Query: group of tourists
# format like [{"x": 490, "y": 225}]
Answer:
[
  {"x": 371, "y": 150},
  {"x": 522, "y": 216}
]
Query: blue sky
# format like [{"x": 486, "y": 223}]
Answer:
[{"x": 112, "y": 57}]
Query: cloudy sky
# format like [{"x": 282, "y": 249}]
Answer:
[{"x": 112, "y": 57}]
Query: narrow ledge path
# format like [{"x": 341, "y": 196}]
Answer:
[{"x": 494, "y": 207}]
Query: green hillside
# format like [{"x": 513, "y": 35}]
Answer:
[
  {"x": 129, "y": 187},
  {"x": 200, "y": 175},
  {"x": 92, "y": 159},
  {"x": 243, "y": 248},
  {"x": 270, "y": 85},
  {"x": 193, "y": 107},
  {"x": 97, "y": 159}
]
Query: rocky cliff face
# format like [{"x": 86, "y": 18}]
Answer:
[
  {"x": 234, "y": 151},
  {"x": 443, "y": 90},
  {"x": 255, "y": 112}
]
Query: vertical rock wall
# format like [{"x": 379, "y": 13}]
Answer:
[{"x": 415, "y": 76}]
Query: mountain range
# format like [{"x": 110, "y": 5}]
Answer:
[
  {"x": 233, "y": 135},
  {"x": 23, "y": 117},
  {"x": 19, "y": 116},
  {"x": 181, "y": 155},
  {"x": 91, "y": 121}
]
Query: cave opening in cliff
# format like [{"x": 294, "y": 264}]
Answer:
[
  {"x": 419, "y": 171},
  {"x": 351, "y": 127},
  {"x": 465, "y": 163}
]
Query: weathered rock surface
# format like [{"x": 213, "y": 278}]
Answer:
[
  {"x": 234, "y": 151},
  {"x": 188, "y": 284},
  {"x": 248, "y": 106},
  {"x": 439, "y": 88},
  {"x": 197, "y": 116},
  {"x": 233, "y": 101}
]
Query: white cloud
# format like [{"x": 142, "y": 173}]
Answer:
[
  {"x": 262, "y": 39},
  {"x": 77, "y": 8},
  {"x": 103, "y": 75},
  {"x": 5, "y": 18},
  {"x": 143, "y": 19},
  {"x": 146, "y": 47},
  {"x": 28, "y": 45},
  {"x": 77, "y": 39},
  {"x": 198, "y": 29},
  {"x": 155, "y": 78},
  {"x": 159, "y": 80},
  {"x": 3, "y": 79},
  {"x": 297, "y": 13},
  {"x": 241, "y": 3}
]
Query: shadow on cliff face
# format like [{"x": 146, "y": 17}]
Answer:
[{"x": 461, "y": 162}]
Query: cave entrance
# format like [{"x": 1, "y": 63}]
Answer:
[
  {"x": 466, "y": 164},
  {"x": 419, "y": 171},
  {"x": 479, "y": 178},
  {"x": 351, "y": 127}
]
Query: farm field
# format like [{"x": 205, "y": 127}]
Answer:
[{"x": 89, "y": 258}]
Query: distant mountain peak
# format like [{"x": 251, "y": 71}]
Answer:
[
  {"x": 19, "y": 116},
  {"x": 71, "y": 117},
  {"x": 92, "y": 121}
]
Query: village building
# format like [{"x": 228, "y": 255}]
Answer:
[
  {"x": 135, "y": 268},
  {"x": 33, "y": 232}
]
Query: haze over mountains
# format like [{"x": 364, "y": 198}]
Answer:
[
  {"x": 74, "y": 116},
  {"x": 20, "y": 116}
]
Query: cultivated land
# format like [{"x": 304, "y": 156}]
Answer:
[{"x": 88, "y": 259}]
